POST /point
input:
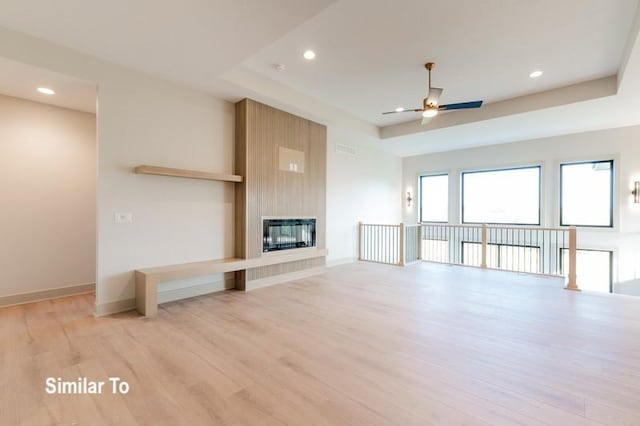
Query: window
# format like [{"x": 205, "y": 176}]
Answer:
[
  {"x": 434, "y": 198},
  {"x": 503, "y": 256},
  {"x": 519, "y": 258},
  {"x": 586, "y": 194},
  {"x": 507, "y": 196},
  {"x": 435, "y": 250},
  {"x": 593, "y": 269},
  {"x": 472, "y": 254}
]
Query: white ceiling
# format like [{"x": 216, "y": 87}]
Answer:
[
  {"x": 371, "y": 54},
  {"x": 187, "y": 41},
  {"x": 370, "y": 58},
  {"x": 21, "y": 81}
]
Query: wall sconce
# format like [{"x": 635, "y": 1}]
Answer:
[
  {"x": 636, "y": 192},
  {"x": 409, "y": 199}
]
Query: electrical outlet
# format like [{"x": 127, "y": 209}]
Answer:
[{"x": 123, "y": 217}]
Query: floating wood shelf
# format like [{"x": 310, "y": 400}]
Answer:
[{"x": 184, "y": 173}]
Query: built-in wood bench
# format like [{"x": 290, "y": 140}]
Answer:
[{"x": 147, "y": 280}]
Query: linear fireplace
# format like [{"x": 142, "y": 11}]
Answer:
[{"x": 285, "y": 234}]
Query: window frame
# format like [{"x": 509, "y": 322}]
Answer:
[
  {"x": 503, "y": 169},
  {"x": 421, "y": 194},
  {"x": 611, "y": 191},
  {"x": 611, "y": 253}
]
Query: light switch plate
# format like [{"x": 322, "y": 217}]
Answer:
[{"x": 122, "y": 217}]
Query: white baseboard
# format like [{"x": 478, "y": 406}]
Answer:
[
  {"x": 53, "y": 293},
  {"x": 279, "y": 279},
  {"x": 341, "y": 261},
  {"x": 110, "y": 308},
  {"x": 195, "y": 290}
]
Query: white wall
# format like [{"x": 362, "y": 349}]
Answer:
[
  {"x": 619, "y": 144},
  {"x": 142, "y": 119},
  {"x": 363, "y": 186},
  {"x": 48, "y": 193},
  {"x": 146, "y": 121}
]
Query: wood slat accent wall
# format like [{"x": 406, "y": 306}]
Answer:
[
  {"x": 240, "y": 206},
  {"x": 267, "y": 191}
]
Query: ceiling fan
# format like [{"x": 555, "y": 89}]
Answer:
[{"x": 430, "y": 107}]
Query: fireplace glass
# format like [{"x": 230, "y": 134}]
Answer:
[{"x": 284, "y": 234}]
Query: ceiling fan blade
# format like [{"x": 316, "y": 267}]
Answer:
[
  {"x": 404, "y": 110},
  {"x": 434, "y": 95},
  {"x": 462, "y": 105}
]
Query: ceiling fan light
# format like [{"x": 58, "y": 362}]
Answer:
[
  {"x": 46, "y": 91},
  {"x": 430, "y": 112}
]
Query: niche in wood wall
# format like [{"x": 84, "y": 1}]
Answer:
[{"x": 290, "y": 160}]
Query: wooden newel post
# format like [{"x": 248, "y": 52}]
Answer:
[
  {"x": 359, "y": 240},
  {"x": 402, "y": 240},
  {"x": 483, "y": 262},
  {"x": 572, "y": 283}
]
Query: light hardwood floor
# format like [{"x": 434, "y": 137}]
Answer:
[{"x": 363, "y": 344}]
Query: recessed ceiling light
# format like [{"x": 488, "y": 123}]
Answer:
[
  {"x": 399, "y": 109},
  {"x": 46, "y": 91},
  {"x": 535, "y": 74},
  {"x": 309, "y": 55},
  {"x": 280, "y": 67}
]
